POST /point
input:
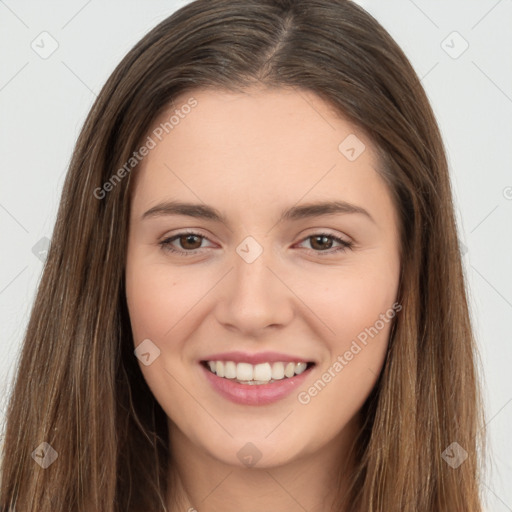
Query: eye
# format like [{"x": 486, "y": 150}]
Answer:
[
  {"x": 190, "y": 242},
  {"x": 321, "y": 240}
]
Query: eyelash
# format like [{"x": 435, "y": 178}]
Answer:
[{"x": 167, "y": 247}]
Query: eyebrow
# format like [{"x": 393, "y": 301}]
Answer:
[{"x": 203, "y": 211}]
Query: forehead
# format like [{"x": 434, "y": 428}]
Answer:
[{"x": 260, "y": 145}]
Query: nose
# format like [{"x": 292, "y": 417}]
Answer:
[{"x": 255, "y": 296}]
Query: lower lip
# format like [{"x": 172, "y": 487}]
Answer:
[{"x": 256, "y": 394}]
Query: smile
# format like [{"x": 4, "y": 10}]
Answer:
[
  {"x": 256, "y": 374},
  {"x": 255, "y": 384}
]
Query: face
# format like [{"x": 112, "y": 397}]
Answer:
[{"x": 254, "y": 275}]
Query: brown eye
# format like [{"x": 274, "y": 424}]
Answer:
[
  {"x": 190, "y": 242},
  {"x": 186, "y": 244},
  {"x": 322, "y": 243}
]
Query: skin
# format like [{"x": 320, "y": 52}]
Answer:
[{"x": 252, "y": 155}]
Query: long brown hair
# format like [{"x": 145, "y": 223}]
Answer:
[{"x": 78, "y": 385}]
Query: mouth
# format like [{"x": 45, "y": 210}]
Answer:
[
  {"x": 256, "y": 374},
  {"x": 260, "y": 384}
]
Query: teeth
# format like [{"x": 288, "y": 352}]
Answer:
[
  {"x": 244, "y": 371},
  {"x": 278, "y": 371},
  {"x": 300, "y": 367},
  {"x": 262, "y": 373},
  {"x": 220, "y": 369},
  {"x": 289, "y": 370},
  {"x": 229, "y": 369}
]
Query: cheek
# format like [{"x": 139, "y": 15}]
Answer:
[
  {"x": 353, "y": 302},
  {"x": 156, "y": 300},
  {"x": 358, "y": 307},
  {"x": 359, "y": 311},
  {"x": 357, "y": 352},
  {"x": 146, "y": 305}
]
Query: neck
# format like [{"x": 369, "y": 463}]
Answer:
[{"x": 201, "y": 483}]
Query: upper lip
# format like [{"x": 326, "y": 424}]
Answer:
[{"x": 256, "y": 358}]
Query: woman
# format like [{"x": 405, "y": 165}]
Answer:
[{"x": 261, "y": 370}]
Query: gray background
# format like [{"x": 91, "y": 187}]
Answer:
[{"x": 44, "y": 101}]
